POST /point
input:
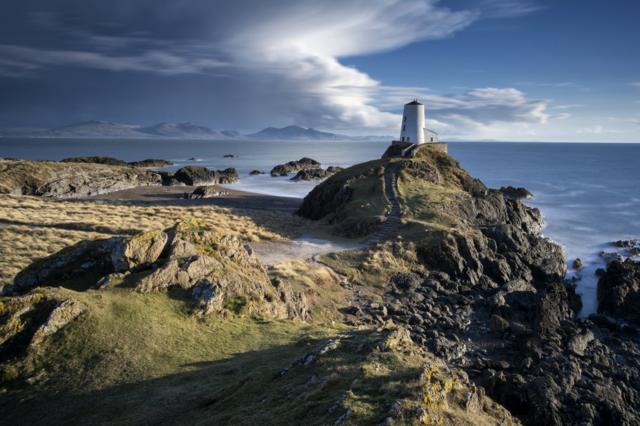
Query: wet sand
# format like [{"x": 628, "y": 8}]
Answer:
[{"x": 232, "y": 198}]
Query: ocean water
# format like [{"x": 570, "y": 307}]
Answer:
[{"x": 589, "y": 194}]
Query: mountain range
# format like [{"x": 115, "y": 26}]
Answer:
[{"x": 107, "y": 129}]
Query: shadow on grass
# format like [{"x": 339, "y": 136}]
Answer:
[
  {"x": 272, "y": 386},
  {"x": 72, "y": 226}
]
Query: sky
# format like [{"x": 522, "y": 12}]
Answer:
[{"x": 513, "y": 70}]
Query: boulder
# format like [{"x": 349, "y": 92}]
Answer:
[
  {"x": 140, "y": 250},
  {"x": 196, "y": 175},
  {"x": 304, "y": 163},
  {"x": 208, "y": 191},
  {"x": 515, "y": 193},
  {"x": 65, "y": 312},
  {"x": 619, "y": 291}
]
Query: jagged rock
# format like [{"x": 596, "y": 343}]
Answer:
[
  {"x": 228, "y": 156},
  {"x": 294, "y": 166},
  {"x": 577, "y": 263},
  {"x": 619, "y": 290},
  {"x": 63, "y": 314},
  {"x": 579, "y": 342},
  {"x": 515, "y": 193},
  {"x": 73, "y": 262},
  {"x": 256, "y": 172},
  {"x": 610, "y": 257},
  {"x": 139, "y": 250}
]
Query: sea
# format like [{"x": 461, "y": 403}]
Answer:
[{"x": 588, "y": 193}]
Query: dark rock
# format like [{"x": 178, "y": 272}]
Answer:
[
  {"x": 228, "y": 175},
  {"x": 577, "y": 263},
  {"x": 515, "y": 193},
  {"x": 626, "y": 243},
  {"x": 229, "y": 156},
  {"x": 196, "y": 175},
  {"x": 619, "y": 291},
  {"x": 151, "y": 162},
  {"x": 294, "y": 166},
  {"x": 316, "y": 173},
  {"x": 110, "y": 161},
  {"x": 256, "y": 172},
  {"x": 209, "y": 191}
]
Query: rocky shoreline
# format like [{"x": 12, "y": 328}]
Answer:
[
  {"x": 454, "y": 278},
  {"x": 90, "y": 176}
]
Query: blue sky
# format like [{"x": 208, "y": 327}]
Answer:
[{"x": 486, "y": 69}]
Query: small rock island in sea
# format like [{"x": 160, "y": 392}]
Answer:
[{"x": 452, "y": 308}]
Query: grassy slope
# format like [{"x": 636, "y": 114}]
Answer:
[{"x": 143, "y": 359}]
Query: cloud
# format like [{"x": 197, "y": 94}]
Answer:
[
  {"x": 597, "y": 129},
  {"x": 636, "y": 84},
  {"x": 286, "y": 53},
  {"x": 24, "y": 61}
]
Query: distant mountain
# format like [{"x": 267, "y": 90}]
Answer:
[
  {"x": 180, "y": 130},
  {"x": 94, "y": 128},
  {"x": 295, "y": 132},
  {"x": 107, "y": 129}
]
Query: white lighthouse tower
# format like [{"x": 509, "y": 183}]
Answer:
[
  {"x": 413, "y": 132},
  {"x": 413, "y": 123}
]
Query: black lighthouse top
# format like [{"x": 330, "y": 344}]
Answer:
[{"x": 414, "y": 102}]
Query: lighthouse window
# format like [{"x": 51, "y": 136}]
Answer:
[
  {"x": 404, "y": 119},
  {"x": 404, "y": 127}
]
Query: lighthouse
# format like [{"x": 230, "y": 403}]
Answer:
[
  {"x": 413, "y": 128},
  {"x": 413, "y": 123},
  {"x": 413, "y": 131}
]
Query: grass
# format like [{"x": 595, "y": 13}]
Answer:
[
  {"x": 142, "y": 359},
  {"x": 320, "y": 284},
  {"x": 373, "y": 267},
  {"x": 31, "y": 227}
]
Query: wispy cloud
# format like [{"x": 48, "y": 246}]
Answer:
[{"x": 597, "y": 129}]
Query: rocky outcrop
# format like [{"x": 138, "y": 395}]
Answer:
[
  {"x": 619, "y": 291},
  {"x": 27, "y": 322},
  {"x": 515, "y": 193},
  {"x": 294, "y": 166},
  {"x": 256, "y": 172},
  {"x": 316, "y": 174},
  {"x": 219, "y": 271},
  {"x": 484, "y": 291},
  {"x": 201, "y": 192},
  {"x": 110, "y": 161},
  {"x": 151, "y": 163},
  {"x": 196, "y": 175},
  {"x": 70, "y": 180}
]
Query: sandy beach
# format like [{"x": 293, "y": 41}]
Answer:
[{"x": 174, "y": 195}]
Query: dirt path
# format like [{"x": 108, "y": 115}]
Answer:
[{"x": 392, "y": 221}]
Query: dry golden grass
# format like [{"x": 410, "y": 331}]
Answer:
[{"x": 32, "y": 227}]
